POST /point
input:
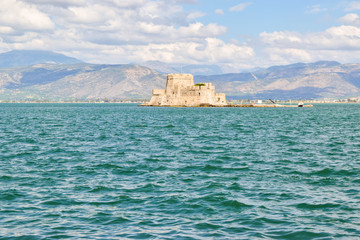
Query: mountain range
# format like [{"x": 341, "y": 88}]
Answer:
[
  {"x": 324, "y": 79},
  {"x": 34, "y": 75},
  {"x": 30, "y": 57},
  {"x": 192, "y": 69}
]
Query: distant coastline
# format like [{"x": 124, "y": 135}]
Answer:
[
  {"x": 140, "y": 101},
  {"x": 75, "y": 101},
  {"x": 48, "y": 77}
]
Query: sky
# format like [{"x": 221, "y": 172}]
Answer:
[{"x": 236, "y": 35}]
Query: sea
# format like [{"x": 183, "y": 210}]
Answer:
[{"x": 120, "y": 171}]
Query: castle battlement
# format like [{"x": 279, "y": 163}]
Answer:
[{"x": 181, "y": 91}]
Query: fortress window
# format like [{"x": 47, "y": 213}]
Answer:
[{"x": 199, "y": 94}]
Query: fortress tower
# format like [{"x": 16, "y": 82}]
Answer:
[{"x": 181, "y": 91}]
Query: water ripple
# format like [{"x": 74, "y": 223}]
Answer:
[{"x": 114, "y": 171}]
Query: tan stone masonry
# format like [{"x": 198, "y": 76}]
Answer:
[{"x": 181, "y": 91}]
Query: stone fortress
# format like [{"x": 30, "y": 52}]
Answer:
[{"x": 181, "y": 91}]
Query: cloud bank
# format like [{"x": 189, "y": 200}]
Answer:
[{"x": 123, "y": 31}]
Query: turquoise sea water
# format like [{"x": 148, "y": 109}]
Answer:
[{"x": 117, "y": 171}]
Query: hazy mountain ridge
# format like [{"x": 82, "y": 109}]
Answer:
[
  {"x": 325, "y": 79},
  {"x": 31, "y": 57},
  {"x": 83, "y": 81},
  {"x": 200, "y": 69}
]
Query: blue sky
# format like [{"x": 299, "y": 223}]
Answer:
[
  {"x": 234, "y": 34},
  {"x": 263, "y": 15}
]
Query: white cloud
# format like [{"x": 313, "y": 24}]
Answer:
[
  {"x": 195, "y": 15},
  {"x": 211, "y": 50},
  {"x": 200, "y": 30},
  {"x": 90, "y": 14},
  {"x": 219, "y": 11},
  {"x": 240, "y": 7},
  {"x": 123, "y": 31},
  {"x": 351, "y": 19},
  {"x": 335, "y": 39},
  {"x": 286, "y": 38},
  {"x": 115, "y": 31},
  {"x": 345, "y": 31},
  {"x": 278, "y": 55},
  {"x": 315, "y": 9},
  {"x": 187, "y": 1},
  {"x": 340, "y": 43},
  {"x": 21, "y": 16},
  {"x": 127, "y": 3},
  {"x": 353, "y": 6},
  {"x": 6, "y": 30},
  {"x": 136, "y": 21},
  {"x": 61, "y": 3}
]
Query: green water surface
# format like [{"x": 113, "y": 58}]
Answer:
[{"x": 119, "y": 171}]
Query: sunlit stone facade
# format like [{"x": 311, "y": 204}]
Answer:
[{"x": 181, "y": 91}]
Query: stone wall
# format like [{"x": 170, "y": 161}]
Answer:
[{"x": 181, "y": 91}]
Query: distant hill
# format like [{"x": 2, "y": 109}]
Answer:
[
  {"x": 51, "y": 80},
  {"x": 30, "y": 57},
  {"x": 200, "y": 69},
  {"x": 78, "y": 81},
  {"x": 324, "y": 79},
  {"x": 160, "y": 67}
]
